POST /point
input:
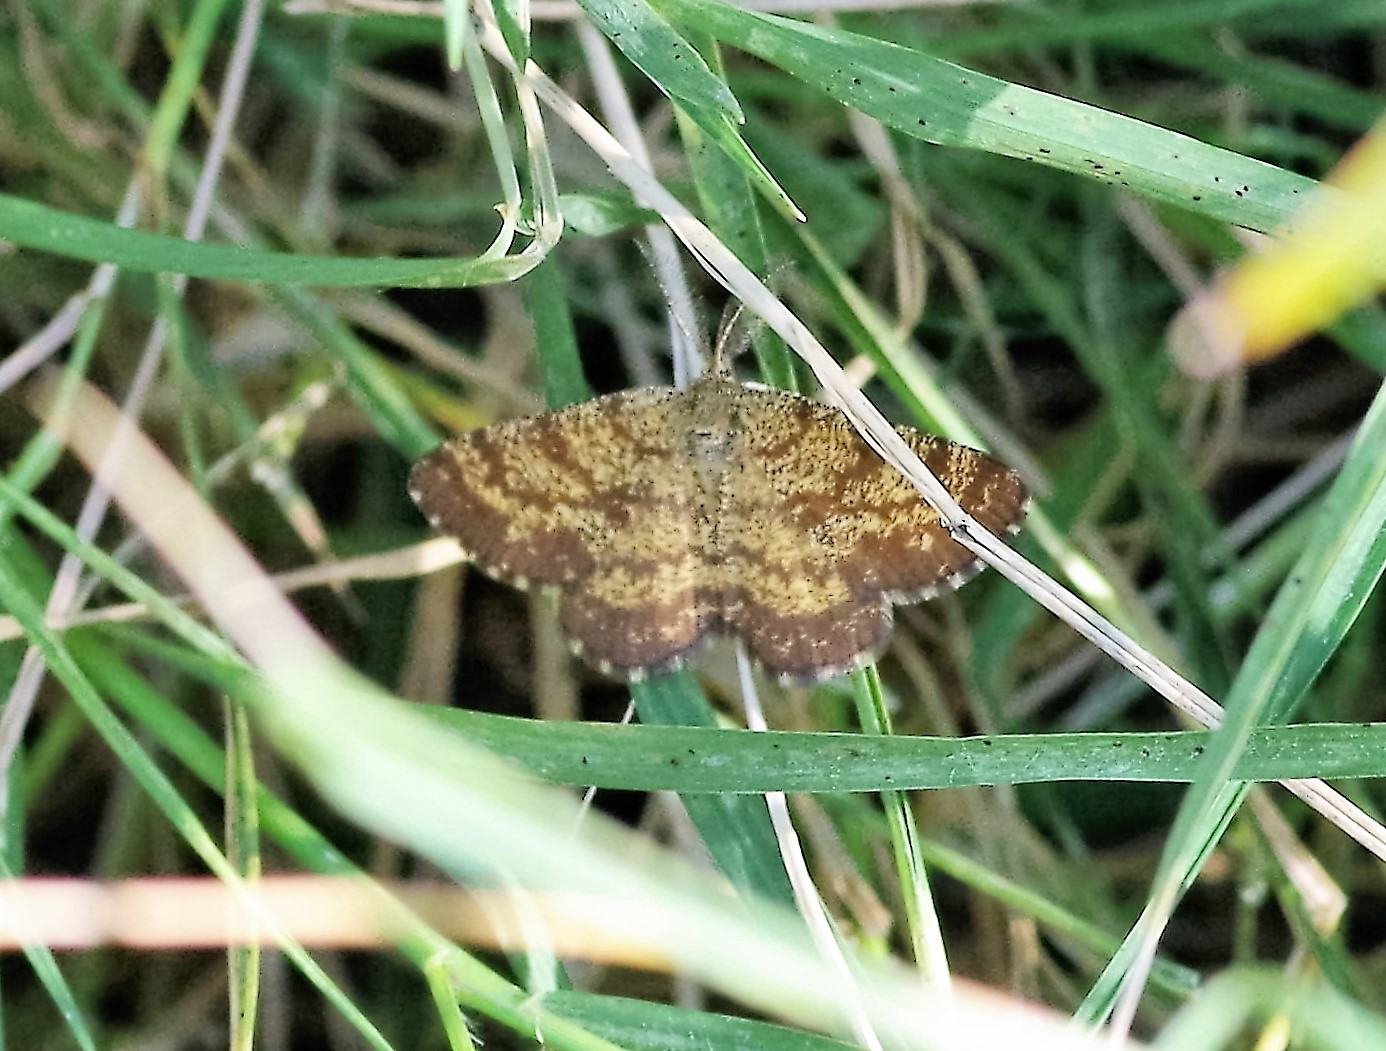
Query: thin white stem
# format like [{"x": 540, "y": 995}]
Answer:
[
  {"x": 611, "y": 91},
  {"x": 806, "y": 896}
]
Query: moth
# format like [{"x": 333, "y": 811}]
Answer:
[{"x": 663, "y": 517}]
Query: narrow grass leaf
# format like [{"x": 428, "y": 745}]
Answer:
[
  {"x": 720, "y": 130},
  {"x": 456, "y": 22},
  {"x": 182, "y": 82},
  {"x": 46, "y": 969},
  {"x": 1061, "y": 923},
  {"x": 660, "y": 52},
  {"x": 1234, "y": 1002},
  {"x": 922, "y": 924},
  {"x": 736, "y": 828},
  {"x": 702, "y": 758},
  {"x": 643, "y": 1026},
  {"x": 729, "y": 208},
  {"x": 243, "y": 851},
  {"x": 1311, "y": 614},
  {"x": 949, "y": 105},
  {"x": 29, "y": 224},
  {"x": 547, "y": 302},
  {"x": 369, "y": 381}
]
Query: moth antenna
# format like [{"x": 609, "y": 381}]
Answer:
[
  {"x": 687, "y": 345},
  {"x": 732, "y": 337}
]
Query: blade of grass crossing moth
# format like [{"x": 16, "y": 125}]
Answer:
[
  {"x": 700, "y": 758},
  {"x": 736, "y": 828},
  {"x": 1311, "y": 614},
  {"x": 949, "y": 105}
]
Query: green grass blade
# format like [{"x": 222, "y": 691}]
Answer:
[
  {"x": 702, "y": 758},
  {"x": 1314, "y": 610},
  {"x": 243, "y": 851},
  {"x": 643, "y": 1026},
  {"x": 921, "y": 914},
  {"x": 1223, "y": 1013},
  {"x": 547, "y": 302},
  {"x": 730, "y": 210},
  {"x": 663, "y": 54},
  {"x": 182, "y": 83},
  {"x": 949, "y": 105},
  {"x": 29, "y": 224},
  {"x": 719, "y": 129},
  {"x": 736, "y": 828},
  {"x": 50, "y": 976}
]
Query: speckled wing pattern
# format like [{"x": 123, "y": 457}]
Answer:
[{"x": 665, "y": 516}]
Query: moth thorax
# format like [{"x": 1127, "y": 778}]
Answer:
[{"x": 709, "y": 445}]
